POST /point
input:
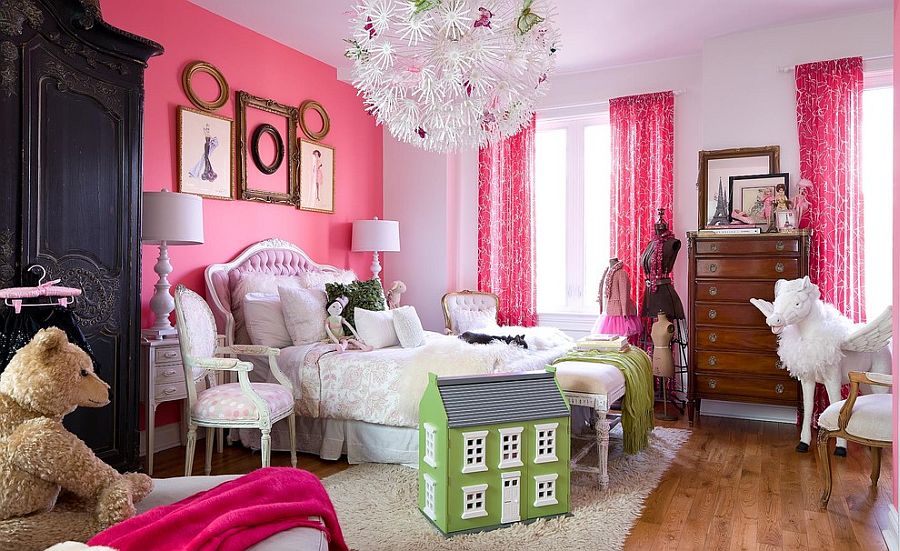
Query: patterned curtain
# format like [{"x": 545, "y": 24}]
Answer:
[
  {"x": 829, "y": 113},
  {"x": 643, "y": 130},
  {"x": 506, "y": 256}
]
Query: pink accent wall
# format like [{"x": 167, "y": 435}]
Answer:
[
  {"x": 896, "y": 391},
  {"x": 263, "y": 67}
]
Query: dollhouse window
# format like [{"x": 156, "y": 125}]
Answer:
[
  {"x": 429, "y": 496},
  {"x": 474, "y": 444},
  {"x": 545, "y": 443},
  {"x": 474, "y": 501},
  {"x": 430, "y": 437},
  {"x": 545, "y": 490},
  {"x": 510, "y": 447}
]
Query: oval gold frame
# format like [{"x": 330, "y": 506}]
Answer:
[
  {"x": 326, "y": 122},
  {"x": 211, "y": 70}
]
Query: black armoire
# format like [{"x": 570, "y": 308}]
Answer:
[{"x": 71, "y": 108}]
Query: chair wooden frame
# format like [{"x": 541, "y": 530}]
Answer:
[
  {"x": 875, "y": 446},
  {"x": 447, "y": 323},
  {"x": 219, "y": 362}
]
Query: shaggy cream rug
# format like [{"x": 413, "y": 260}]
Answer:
[{"x": 376, "y": 505}]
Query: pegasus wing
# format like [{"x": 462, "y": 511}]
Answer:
[{"x": 872, "y": 336}]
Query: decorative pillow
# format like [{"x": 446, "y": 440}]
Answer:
[
  {"x": 265, "y": 320},
  {"x": 376, "y": 328},
  {"x": 367, "y": 295},
  {"x": 318, "y": 279},
  {"x": 243, "y": 283},
  {"x": 408, "y": 327},
  {"x": 467, "y": 320},
  {"x": 304, "y": 314}
]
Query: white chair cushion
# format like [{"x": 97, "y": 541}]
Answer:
[
  {"x": 408, "y": 327},
  {"x": 589, "y": 377},
  {"x": 870, "y": 418},
  {"x": 376, "y": 328},
  {"x": 229, "y": 403}
]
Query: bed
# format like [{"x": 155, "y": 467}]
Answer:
[{"x": 354, "y": 403}]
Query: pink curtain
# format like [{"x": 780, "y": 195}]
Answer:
[
  {"x": 829, "y": 114},
  {"x": 506, "y": 256},
  {"x": 643, "y": 138}
]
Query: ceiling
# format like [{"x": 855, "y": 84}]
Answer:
[{"x": 595, "y": 34}]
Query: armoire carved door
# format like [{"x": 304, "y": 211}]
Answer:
[{"x": 71, "y": 108}]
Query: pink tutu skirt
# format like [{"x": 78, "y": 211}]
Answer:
[{"x": 617, "y": 325}]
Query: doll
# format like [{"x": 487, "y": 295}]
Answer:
[{"x": 334, "y": 327}]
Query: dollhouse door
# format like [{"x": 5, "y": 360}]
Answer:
[{"x": 510, "y": 512}]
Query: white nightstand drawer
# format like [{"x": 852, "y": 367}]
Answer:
[
  {"x": 173, "y": 391},
  {"x": 168, "y": 374},
  {"x": 168, "y": 355}
]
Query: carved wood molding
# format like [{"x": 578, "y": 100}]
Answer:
[
  {"x": 97, "y": 307},
  {"x": 7, "y": 259},
  {"x": 9, "y": 68},
  {"x": 89, "y": 55},
  {"x": 69, "y": 80},
  {"x": 15, "y": 13}
]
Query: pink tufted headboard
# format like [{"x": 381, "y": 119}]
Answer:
[{"x": 272, "y": 256}]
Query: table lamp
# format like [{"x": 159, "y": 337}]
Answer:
[
  {"x": 376, "y": 236},
  {"x": 168, "y": 218}
]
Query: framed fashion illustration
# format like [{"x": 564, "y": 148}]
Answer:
[
  {"x": 316, "y": 177},
  {"x": 205, "y": 154},
  {"x": 715, "y": 171}
]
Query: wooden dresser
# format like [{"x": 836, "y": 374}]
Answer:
[{"x": 731, "y": 350}]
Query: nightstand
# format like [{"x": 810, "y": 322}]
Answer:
[{"x": 162, "y": 380}]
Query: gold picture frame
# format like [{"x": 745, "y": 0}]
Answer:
[
  {"x": 216, "y": 74},
  {"x": 316, "y": 172},
  {"x": 290, "y": 195},
  {"x": 199, "y": 136},
  {"x": 326, "y": 121},
  {"x": 740, "y": 161}
]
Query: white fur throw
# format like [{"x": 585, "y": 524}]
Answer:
[{"x": 537, "y": 338}]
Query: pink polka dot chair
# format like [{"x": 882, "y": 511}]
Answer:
[{"x": 233, "y": 405}]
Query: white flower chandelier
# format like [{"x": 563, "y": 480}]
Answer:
[{"x": 445, "y": 74}]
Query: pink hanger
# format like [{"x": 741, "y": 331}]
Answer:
[{"x": 64, "y": 296}]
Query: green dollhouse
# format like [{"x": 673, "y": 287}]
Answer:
[{"x": 493, "y": 450}]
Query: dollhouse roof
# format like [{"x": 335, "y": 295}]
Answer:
[{"x": 494, "y": 399}]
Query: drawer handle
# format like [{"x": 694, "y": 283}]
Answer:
[
  {"x": 169, "y": 373},
  {"x": 712, "y": 337},
  {"x": 171, "y": 354},
  {"x": 712, "y": 314},
  {"x": 169, "y": 391},
  {"x": 712, "y": 360},
  {"x": 713, "y": 291},
  {"x": 779, "y": 365},
  {"x": 779, "y": 267},
  {"x": 779, "y": 388},
  {"x": 712, "y": 383},
  {"x": 713, "y": 268},
  {"x": 714, "y": 247},
  {"x": 779, "y": 245}
]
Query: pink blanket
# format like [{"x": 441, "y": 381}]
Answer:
[{"x": 232, "y": 516}]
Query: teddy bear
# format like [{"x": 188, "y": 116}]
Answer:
[{"x": 52, "y": 486}]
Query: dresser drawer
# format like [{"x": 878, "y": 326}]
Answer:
[
  {"x": 727, "y": 338},
  {"x": 765, "y": 389},
  {"x": 733, "y": 291},
  {"x": 737, "y": 362},
  {"x": 168, "y": 355},
  {"x": 757, "y": 246},
  {"x": 737, "y": 315},
  {"x": 170, "y": 391},
  {"x": 747, "y": 268},
  {"x": 167, "y": 374}
]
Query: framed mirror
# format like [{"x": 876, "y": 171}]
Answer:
[
  {"x": 717, "y": 167},
  {"x": 269, "y": 181}
]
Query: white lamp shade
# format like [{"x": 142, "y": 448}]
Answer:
[
  {"x": 376, "y": 235},
  {"x": 176, "y": 218}
]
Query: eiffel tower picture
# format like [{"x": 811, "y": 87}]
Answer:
[{"x": 720, "y": 218}]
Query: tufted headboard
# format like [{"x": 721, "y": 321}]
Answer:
[
  {"x": 468, "y": 305},
  {"x": 272, "y": 256}
]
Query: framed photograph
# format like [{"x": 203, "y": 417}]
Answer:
[
  {"x": 265, "y": 128},
  {"x": 316, "y": 177},
  {"x": 752, "y": 199},
  {"x": 716, "y": 169},
  {"x": 205, "y": 154},
  {"x": 785, "y": 220}
]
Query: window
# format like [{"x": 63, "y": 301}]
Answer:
[
  {"x": 573, "y": 163},
  {"x": 877, "y": 184},
  {"x": 545, "y": 490},
  {"x": 473, "y": 459},
  {"x": 429, "y": 496},
  {"x": 545, "y": 443},
  {"x": 473, "y": 501},
  {"x": 510, "y": 447},
  {"x": 430, "y": 436}
]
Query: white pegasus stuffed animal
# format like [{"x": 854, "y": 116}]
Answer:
[{"x": 816, "y": 344}]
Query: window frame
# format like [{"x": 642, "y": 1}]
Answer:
[
  {"x": 481, "y": 464},
  {"x": 478, "y": 511},
  {"x": 550, "y": 498},
  {"x": 548, "y": 456},
  {"x": 512, "y": 461},
  {"x": 430, "y": 490},
  {"x": 429, "y": 457}
]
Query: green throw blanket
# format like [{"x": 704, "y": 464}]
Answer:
[{"x": 637, "y": 405}]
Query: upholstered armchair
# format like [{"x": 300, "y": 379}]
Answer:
[
  {"x": 865, "y": 420},
  {"x": 467, "y": 310},
  {"x": 233, "y": 405}
]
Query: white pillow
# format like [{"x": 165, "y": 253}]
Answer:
[
  {"x": 265, "y": 320},
  {"x": 304, "y": 314},
  {"x": 318, "y": 279},
  {"x": 467, "y": 320},
  {"x": 408, "y": 327},
  {"x": 376, "y": 328}
]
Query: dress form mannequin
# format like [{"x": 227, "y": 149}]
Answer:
[
  {"x": 657, "y": 260},
  {"x": 618, "y": 312},
  {"x": 662, "y": 332}
]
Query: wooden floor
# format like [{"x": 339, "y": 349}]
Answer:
[{"x": 734, "y": 485}]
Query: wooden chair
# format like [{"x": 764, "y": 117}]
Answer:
[
  {"x": 865, "y": 420},
  {"x": 233, "y": 405},
  {"x": 464, "y": 310}
]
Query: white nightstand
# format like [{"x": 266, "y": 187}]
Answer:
[{"x": 162, "y": 380}]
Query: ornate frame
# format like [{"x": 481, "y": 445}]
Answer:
[
  {"x": 291, "y": 194},
  {"x": 444, "y": 298},
  {"x": 180, "y": 156},
  {"x": 326, "y": 122},
  {"x": 333, "y": 176},
  {"x": 211, "y": 70},
  {"x": 771, "y": 151},
  {"x": 266, "y": 128}
]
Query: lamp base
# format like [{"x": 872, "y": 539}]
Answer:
[{"x": 157, "y": 334}]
